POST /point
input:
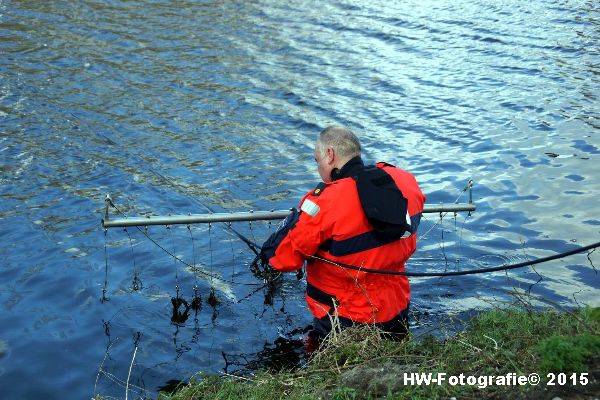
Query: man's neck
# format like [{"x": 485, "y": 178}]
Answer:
[{"x": 350, "y": 168}]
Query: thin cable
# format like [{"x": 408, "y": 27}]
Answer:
[
  {"x": 591, "y": 263},
  {"x": 468, "y": 272},
  {"x": 442, "y": 215},
  {"x": 136, "y": 284},
  {"x": 189, "y": 228},
  {"x": 210, "y": 249},
  {"x": 173, "y": 255},
  {"x": 443, "y": 245},
  {"x": 196, "y": 303},
  {"x": 105, "y": 287},
  {"x": 253, "y": 246},
  {"x": 232, "y": 257},
  {"x": 176, "y": 265}
]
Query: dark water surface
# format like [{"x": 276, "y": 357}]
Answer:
[{"x": 175, "y": 106}]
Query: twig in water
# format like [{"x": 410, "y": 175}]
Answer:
[
  {"x": 136, "y": 340},
  {"x": 101, "y": 366},
  {"x": 129, "y": 375},
  {"x": 590, "y": 260}
]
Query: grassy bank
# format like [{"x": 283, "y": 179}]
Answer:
[{"x": 359, "y": 364}]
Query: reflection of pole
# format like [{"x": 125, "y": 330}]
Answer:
[{"x": 239, "y": 216}]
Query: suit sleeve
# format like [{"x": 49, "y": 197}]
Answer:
[
  {"x": 268, "y": 248},
  {"x": 304, "y": 238}
]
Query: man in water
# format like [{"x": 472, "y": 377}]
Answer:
[{"x": 358, "y": 217}]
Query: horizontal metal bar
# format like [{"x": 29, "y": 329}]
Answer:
[
  {"x": 443, "y": 208},
  {"x": 239, "y": 216},
  {"x": 195, "y": 218}
]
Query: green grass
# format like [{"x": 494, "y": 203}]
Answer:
[{"x": 357, "y": 363}]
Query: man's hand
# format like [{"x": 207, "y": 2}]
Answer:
[{"x": 261, "y": 269}]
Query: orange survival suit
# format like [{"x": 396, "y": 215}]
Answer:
[{"x": 367, "y": 216}]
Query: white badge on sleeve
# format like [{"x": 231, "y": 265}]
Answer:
[
  {"x": 407, "y": 233},
  {"x": 310, "y": 207}
]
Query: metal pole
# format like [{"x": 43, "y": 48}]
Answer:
[
  {"x": 240, "y": 216},
  {"x": 443, "y": 208},
  {"x": 195, "y": 218}
]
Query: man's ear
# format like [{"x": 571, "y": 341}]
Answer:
[{"x": 330, "y": 155}]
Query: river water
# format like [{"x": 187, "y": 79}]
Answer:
[{"x": 183, "y": 106}]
